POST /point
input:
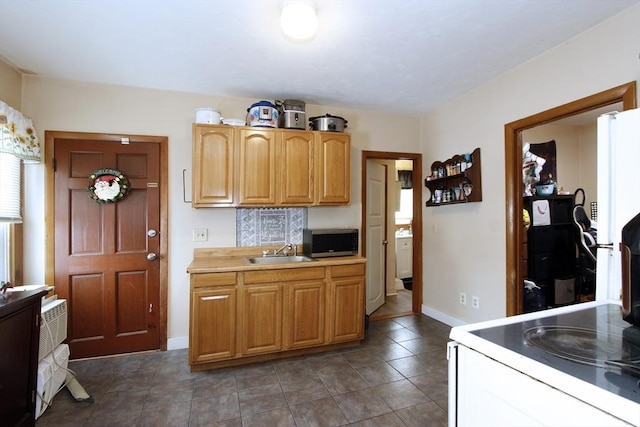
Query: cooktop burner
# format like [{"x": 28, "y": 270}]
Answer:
[
  {"x": 593, "y": 344},
  {"x": 588, "y": 346}
]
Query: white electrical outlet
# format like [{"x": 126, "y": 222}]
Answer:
[
  {"x": 463, "y": 298},
  {"x": 199, "y": 234},
  {"x": 475, "y": 302}
]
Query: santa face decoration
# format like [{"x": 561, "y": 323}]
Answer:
[{"x": 108, "y": 186}]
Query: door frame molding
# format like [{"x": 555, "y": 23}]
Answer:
[
  {"x": 625, "y": 93},
  {"x": 416, "y": 292},
  {"x": 163, "y": 141}
]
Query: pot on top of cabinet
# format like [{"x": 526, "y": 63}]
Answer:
[
  {"x": 328, "y": 123},
  {"x": 262, "y": 114},
  {"x": 292, "y": 114},
  {"x": 208, "y": 115}
]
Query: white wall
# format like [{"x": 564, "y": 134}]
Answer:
[
  {"x": 468, "y": 252},
  {"x": 82, "y": 107},
  {"x": 10, "y": 86}
]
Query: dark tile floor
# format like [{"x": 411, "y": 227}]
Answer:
[{"x": 397, "y": 377}]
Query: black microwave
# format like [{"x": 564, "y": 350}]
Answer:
[{"x": 328, "y": 242}]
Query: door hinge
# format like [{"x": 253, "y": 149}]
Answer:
[{"x": 150, "y": 308}]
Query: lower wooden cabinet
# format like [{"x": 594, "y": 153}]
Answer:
[
  {"x": 304, "y": 314},
  {"x": 212, "y": 321},
  {"x": 346, "y": 311},
  {"x": 262, "y": 319},
  {"x": 270, "y": 312},
  {"x": 214, "y": 335}
]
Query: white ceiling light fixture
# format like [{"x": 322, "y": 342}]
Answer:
[{"x": 299, "y": 21}]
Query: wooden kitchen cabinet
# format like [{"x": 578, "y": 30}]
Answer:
[
  {"x": 213, "y": 179},
  {"x": 248, "y": 166},
  {"x": 304, "y": 309},
  {"x": 257, "y": 167},
  {"x": 257, "y": 313},
  {"x": 212, "y": 329},
  {"x": 334, "y": 168},
  {"x": 295, "y": 153},
  {"x": 262, "y": 319},
  {"x": 304, "y": 314},
  {"x": 346, "y": 303}
]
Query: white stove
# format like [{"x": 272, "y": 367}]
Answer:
[{"x": 585, "y": 351}]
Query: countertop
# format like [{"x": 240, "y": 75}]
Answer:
[
  {"x": 220, "y": 260},
  {"x": 471, "y": 337}
]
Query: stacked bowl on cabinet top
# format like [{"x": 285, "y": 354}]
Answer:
[{"x": 287, "y": 114}]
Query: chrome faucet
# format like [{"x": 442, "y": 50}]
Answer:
[{"x": 285, "y": 249}]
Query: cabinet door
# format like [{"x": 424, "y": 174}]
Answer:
[
  {"x": 304, "y": 314},
  {"x": 346, "y": 309},
  {"x": 334, "y": 168},
  {"x": 404, "y": 257},
  {"x": 295, "y": 156},
  {"x": 262, "y": 319},
  {"x": 213, "y": 166},
  {"x": 257, "y": 167},
  {"x": 212, "y": 333}
]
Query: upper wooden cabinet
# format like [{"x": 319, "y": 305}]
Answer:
[
  {"x": 334, "y": 168},
  {"x": 245, "y": 166},
  {"x": 296, "y": 155},
  {"x": 257, "y": 167},
  {"x": 213, "y": 166}
]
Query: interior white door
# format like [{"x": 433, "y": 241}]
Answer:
[
  {"x": 618, "y": 201},
  {"x": 376, "y": 219}
]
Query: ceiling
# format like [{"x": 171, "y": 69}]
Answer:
[{"x": 383, "y": 55}]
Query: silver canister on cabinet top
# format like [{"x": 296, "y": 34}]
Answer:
[{"x": 292, "y": 114}]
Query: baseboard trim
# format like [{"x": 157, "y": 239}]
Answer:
[
  {"x": 442, "y": 317},
  {"x": 177, "y": 343}
]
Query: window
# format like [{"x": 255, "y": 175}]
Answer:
[{"x": 10, "y": 208}]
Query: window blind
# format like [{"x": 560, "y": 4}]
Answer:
[{"x": 10, "y": 207}]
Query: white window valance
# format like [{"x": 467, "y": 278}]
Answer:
[{"x": 18, "y": 136}]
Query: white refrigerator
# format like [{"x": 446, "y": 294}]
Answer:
[{"x": 618, "y": 194}]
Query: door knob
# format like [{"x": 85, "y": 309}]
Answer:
[
  {"x": 151, "y": 256},
  {"x": 152, "y": 233}
]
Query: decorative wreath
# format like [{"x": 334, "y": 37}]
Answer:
[{"x": 108, "y": 186}]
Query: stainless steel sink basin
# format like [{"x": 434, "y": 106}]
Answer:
[{"x": 279, "y": 259}]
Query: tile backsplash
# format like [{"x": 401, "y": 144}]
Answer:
[{"x": 269, "y": 226}]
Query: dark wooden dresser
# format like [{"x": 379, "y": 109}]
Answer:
[{"x": 19, "y": 346}]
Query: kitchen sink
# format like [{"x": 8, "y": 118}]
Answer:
[{"x": 279, "y": 259}]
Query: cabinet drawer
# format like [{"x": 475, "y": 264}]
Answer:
[
  {"x": 285, "y": 275},
  {"x": 541, "y": 239},
  {"x": 347, "y": 270},
  {"x": 212, "y": 279}
]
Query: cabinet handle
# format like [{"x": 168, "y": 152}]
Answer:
[{"x": 214, "y": 297}]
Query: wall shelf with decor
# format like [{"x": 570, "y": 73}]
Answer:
[{"x": 456, "y": 180}]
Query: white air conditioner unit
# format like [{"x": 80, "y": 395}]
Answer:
[
  {"x": 53, "y": 328},
  {"x": 53, "y": 355},
  {"x": 51, "y": 375}
]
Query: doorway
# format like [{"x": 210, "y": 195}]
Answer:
[
  {"x": 106, "y": 251},
  {"x": 416, "y": 253},
  {"x": 626, "y": 94}
]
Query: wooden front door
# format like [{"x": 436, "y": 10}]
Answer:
[{"x": 107, "y": 255}]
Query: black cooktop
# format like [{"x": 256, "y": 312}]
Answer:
[{"x": 594, "y": 344}]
